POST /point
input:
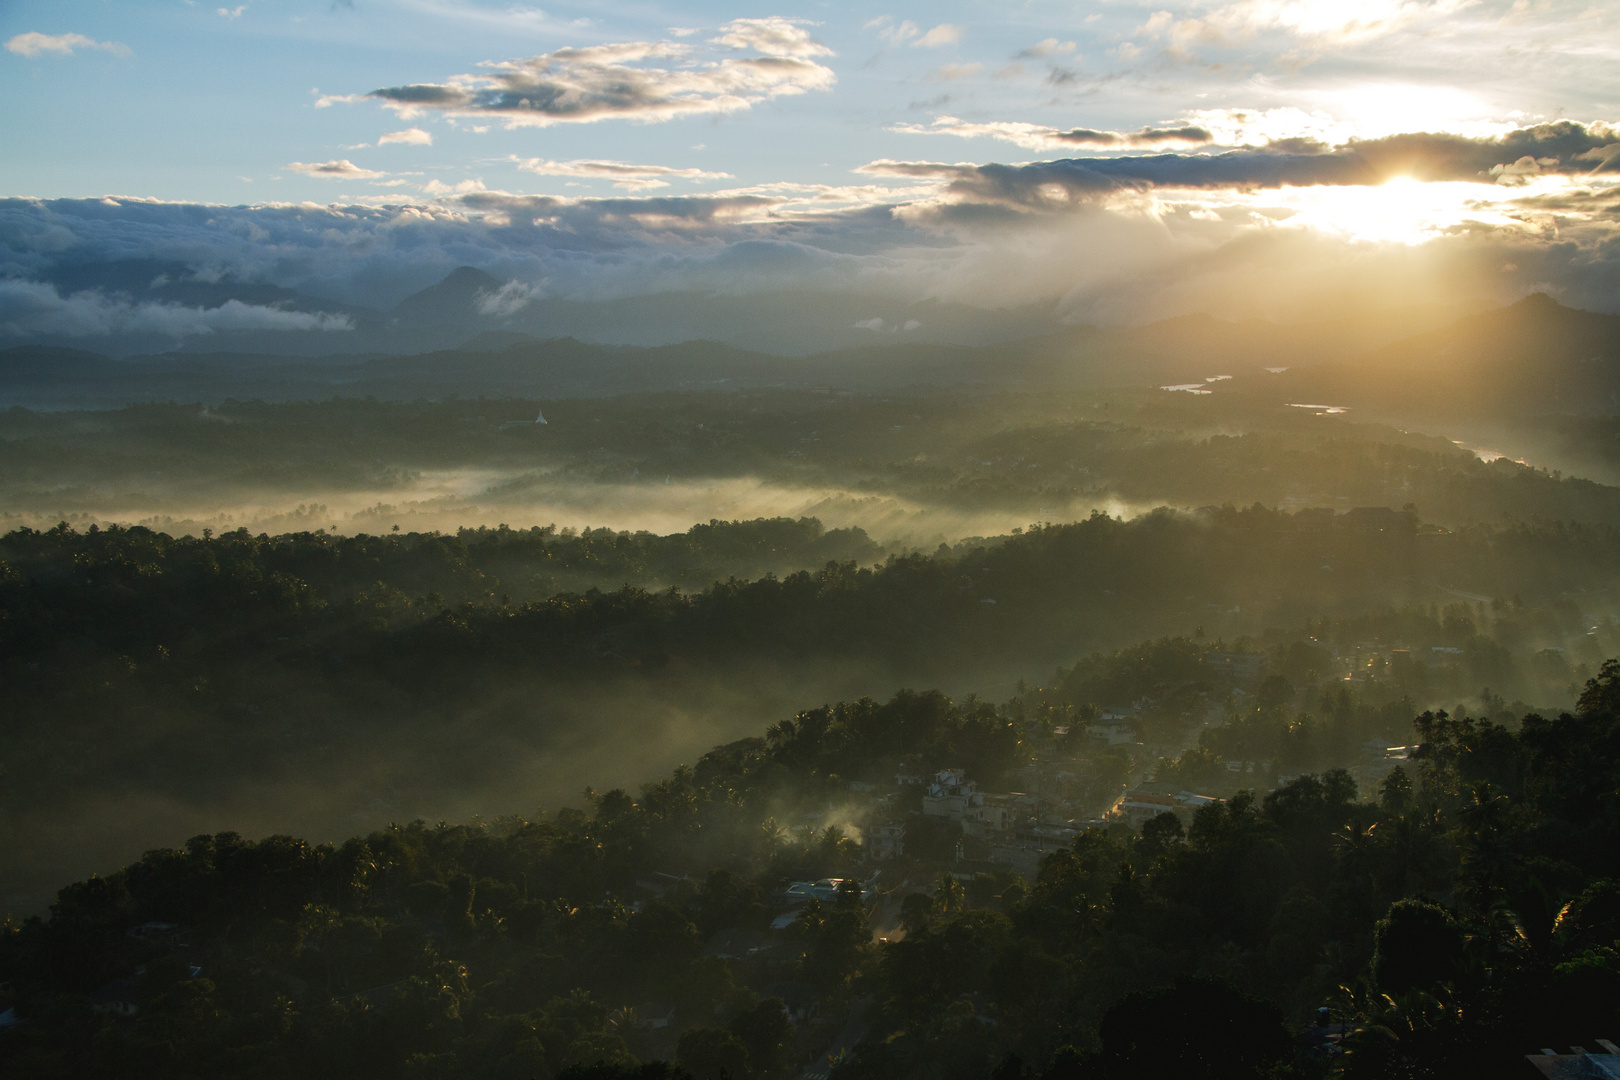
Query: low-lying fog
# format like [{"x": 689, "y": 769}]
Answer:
[
  {"x": 518, "y": 748},
  {"x": 449, "y": 499}
]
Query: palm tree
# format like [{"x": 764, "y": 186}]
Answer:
[
  {"x": 948, "y": 893},
  {"x": 772, "y": 836},
  {"x": 1486, "y": 860}
]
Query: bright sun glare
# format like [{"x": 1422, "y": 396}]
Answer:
[{"x": 1400, "y": 211}]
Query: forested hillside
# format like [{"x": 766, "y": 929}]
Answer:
[
  {"x": 333, "y": 681},
  {"x": 918, "y": 467},
  {"x": 1448, "y": 922}
]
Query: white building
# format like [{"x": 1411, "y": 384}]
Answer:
[
  {"x": 887, "y": 841},
  {"x": 954, "y": 797},
  {"x": 1146, "y": 802}
]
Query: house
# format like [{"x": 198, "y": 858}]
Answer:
[
  {"x": 956, "y": 798},
  {"x": 996, "y": 814},
  {"x": 156, "y": 933},
  {"x": 1244, "y": 667},
  {"x": 8, "y": 1010},
  {"x": 886, "y": 841},
  {"x": 799, "y": 999},
  {"x": 737, "y": 943},
  {"x": 1114, "y": 730},
  {"x": 654, "y": 1015},
  {"x": 1579, "y": 1063},
  {"x": 1377, "y": 521},
  {"x": 825, "y": 890},
  {"x": 949, "y": 795},
  {"x": 999, "y": 813},
  {"x": 118, "y": 997},
  {"x": 1024, "y": 854},
  {"x": 1317, "y": 520},
  {"x": 1145, "y": 802},
  {"x": 659, "y": 883}
]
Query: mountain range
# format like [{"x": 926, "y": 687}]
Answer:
[
  {"x": 1534, "y": 357},
  {"x": 469, "y": 302}
]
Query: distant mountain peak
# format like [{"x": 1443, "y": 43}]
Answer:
[
  {"x": 453, "y": 300},
  {"x": 469, "y": 275},
  {"x": 1537, "y": 302}
]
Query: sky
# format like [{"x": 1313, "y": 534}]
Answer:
[{"x": 1122, "y": 160}]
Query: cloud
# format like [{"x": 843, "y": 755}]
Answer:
[
  {"x": 32, "y": 308},
  {"x": 507, "y": 300},
  {"x": 895, "y": 33},
  {"x": 376, "y": 253},
  {"x": 1325, "y": 19},
  {"x": 1047, "y": 47},
  {"x": 36, "y": 44},
  {"x": 774, "y": 36},
  {"x": 342, "y": 169},
  {"x": 1565, "y": 148},
  {"x": 1248, "y": 232},
  {"x": 463, "y": 187},
  {"x": 1321, "y": 24},
  {"x": 1271, "y": 154},
  {"x": 878, "y": 326},
  {"x": 1039, "y": 137},
  {"x": 410, "y": 137},
  {"x": 1285, "y": 128},
  {"x": 620, "y": 81},
  {"x": 1279, "y": 126},
  {"x": 734, "y": 216},
  {"x": 624, "y": 175},
  {"x": 907, "y": 32},
  {"x": 941, "y": 35}
]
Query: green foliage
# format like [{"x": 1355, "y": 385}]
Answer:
[
  {"x": 1199, "y": 1028},
  {"x": 1471, "y": 918},
  {"x": 709, "y": 1054},
  {"x": 1416, "y": 946}
]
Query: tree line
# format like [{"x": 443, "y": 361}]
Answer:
[{"x": 1464, "y": 913}]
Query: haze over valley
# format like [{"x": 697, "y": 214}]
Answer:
[{"x": 681, "y": 543}]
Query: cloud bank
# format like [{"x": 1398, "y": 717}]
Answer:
[
  {"x": 1247, "y": 232},
  {"x": 1564, "y": 148},
  {"x": 36, "y": 308}
]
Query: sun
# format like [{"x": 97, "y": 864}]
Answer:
[{"x": 1401, "y": 210}]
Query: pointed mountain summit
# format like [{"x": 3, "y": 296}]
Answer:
[{"x": 453, "y": 301}]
